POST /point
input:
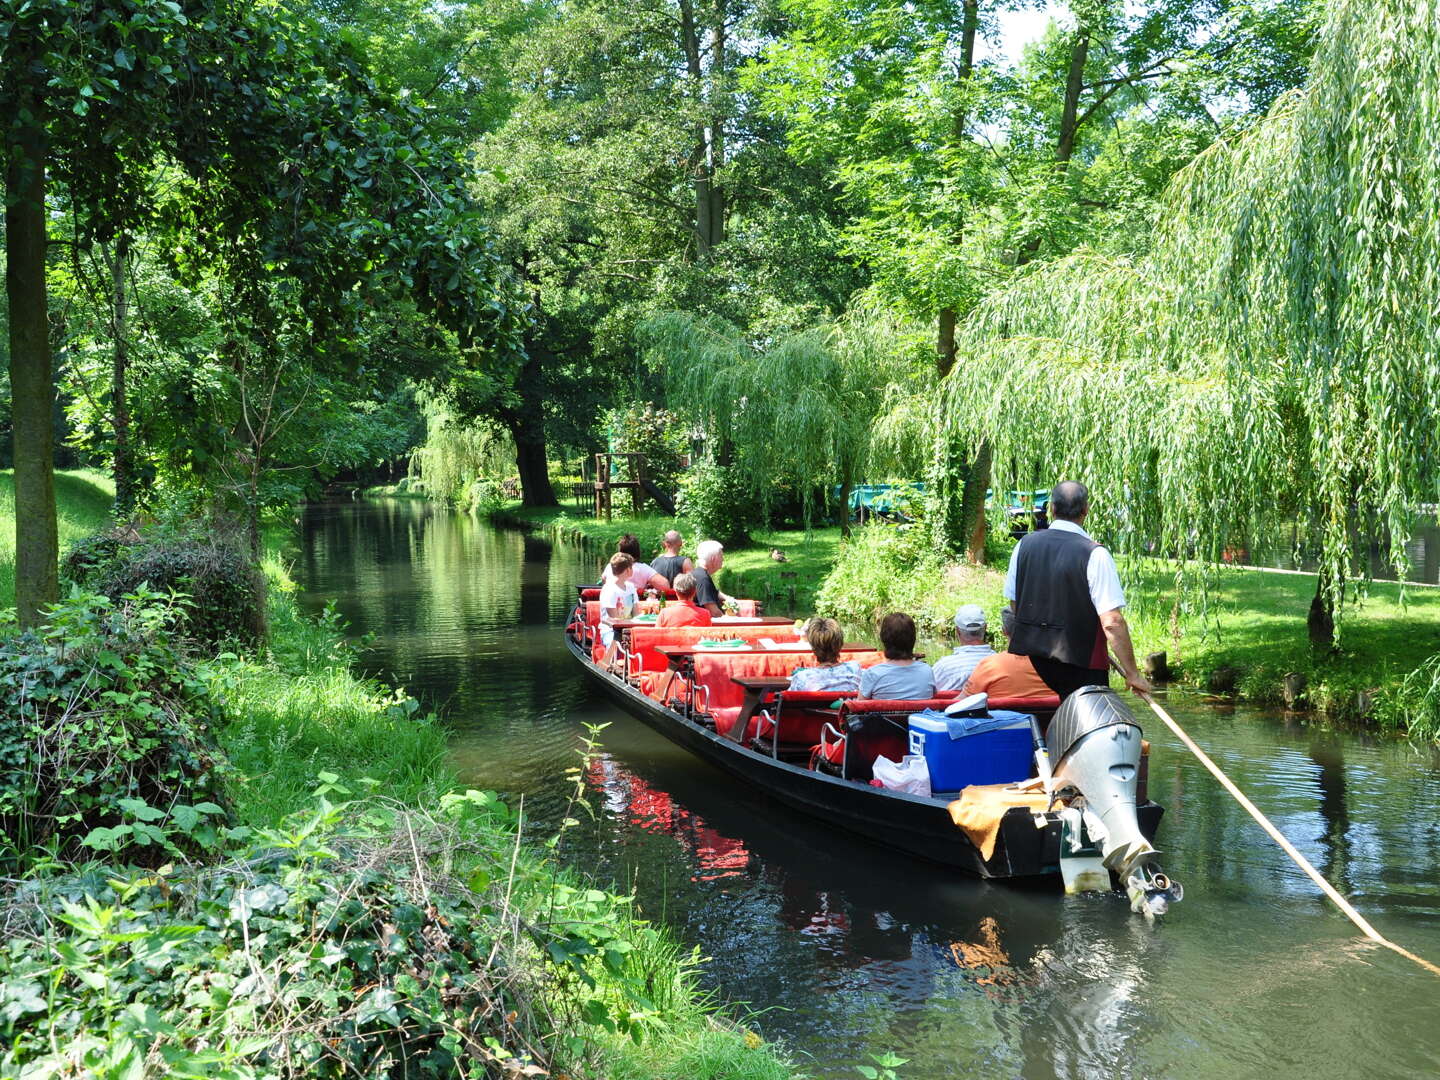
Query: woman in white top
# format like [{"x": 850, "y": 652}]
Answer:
[
  {"x": 641, "y": 572},
  {"x": 617, "y": 600}
]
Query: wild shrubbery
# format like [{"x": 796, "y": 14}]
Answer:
[
  {"x": 206, "y": 560},
  {"x": 716, "y": 503},
  {"x": 892, "y": 568},
  {"x": 102, "y": 725},
  {"x": 339, "y": 944}
]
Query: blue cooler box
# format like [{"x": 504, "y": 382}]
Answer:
[{"x": 999, "y": 756}]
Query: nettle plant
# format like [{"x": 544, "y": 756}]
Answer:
[{"x": 104, "y": 727}]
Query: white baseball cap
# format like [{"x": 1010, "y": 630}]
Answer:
[{"x": 970, "y": 617}]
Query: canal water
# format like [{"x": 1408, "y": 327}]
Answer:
[{"x": 841, "y": 949}]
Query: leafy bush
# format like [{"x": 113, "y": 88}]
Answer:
[
  {"x": 662, "y": 436},
  {"x": 360, "y": 940},
  {"x": 1414, "y": 706},
  {"x": 484, "y": 496},
  {"x": 717, "y": 503},
  {"x": 885, "y": 568},
  {"x": 97, "y": 709},
  {"x": 208, "y": 561},
  {"x": 337, "y": 945}
]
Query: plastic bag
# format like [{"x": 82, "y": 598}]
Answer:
[{"x": 911, "y": 774}]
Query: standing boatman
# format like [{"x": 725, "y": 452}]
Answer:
[{"x": 1068, "y": 601}]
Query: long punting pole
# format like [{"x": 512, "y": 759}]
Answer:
[{"x": 1285, "y": 845}]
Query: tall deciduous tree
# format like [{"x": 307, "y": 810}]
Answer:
[{"x": 84, "y": 85}]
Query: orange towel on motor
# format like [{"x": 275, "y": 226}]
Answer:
[{"x": 979, "y": 809}]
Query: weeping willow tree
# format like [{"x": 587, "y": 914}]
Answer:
[
  {"x": 455, "y": 454},
  {"x": 1275, "y": 355},
  {"x": 804, "y": 409}
]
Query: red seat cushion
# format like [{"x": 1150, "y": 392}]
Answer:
[
  {"x": 715, "y": 672},
  {"x": 884, "y": 705},
  {"x": 1040, "y": 704},
  {"x": 643, "y": 639}
]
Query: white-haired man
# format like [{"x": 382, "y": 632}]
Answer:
[
  {"x": 709, "y": 558},
  {"x": 952, "y": 671}
]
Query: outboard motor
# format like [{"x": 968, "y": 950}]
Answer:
[{"x": 1094, "y": 742}]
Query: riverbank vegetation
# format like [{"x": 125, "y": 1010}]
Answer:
[{"x": 266, "y": 825}]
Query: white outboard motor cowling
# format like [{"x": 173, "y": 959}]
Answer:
[{"x": 1094, "y": 742}]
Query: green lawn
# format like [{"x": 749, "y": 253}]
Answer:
[
  {"x": 1254, "y": 622},
  {"x": 83, "y": 499}
]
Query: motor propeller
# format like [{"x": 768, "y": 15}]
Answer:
[{"x": 1095, "y": 742}]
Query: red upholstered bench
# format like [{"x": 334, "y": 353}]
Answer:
[
  {"x": 644, "y": 639},
  {"x": 715, "y": 673},
  {"x": 865, "y": 730},
  {"x": 797, "y": 719}
]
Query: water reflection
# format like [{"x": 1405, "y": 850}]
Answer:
[{"x": 849, "y": 950}]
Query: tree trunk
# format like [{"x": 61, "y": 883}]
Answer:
[
  {"x": 123, "y": 463},
  {"x": 976, "y": 484},
  {"x": 1070, "y": 109},
  {"x": 945, "y": 342},
  {"x": 527, "y": 428},
  {"x": 32, "y": 388},
  {"x": 1070, "y": 121},
  {"x": 964, "y": 69},
  {"x": 845, "y": 488},
  {"x": 715, "y": 162},
  {"x": 1320, "y": 623},
  {"x": 702, "y": 155}
]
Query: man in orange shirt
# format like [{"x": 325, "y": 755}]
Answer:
[
  {"x": 684, "y": 611},
  {"x": 1006, "y": 674}
]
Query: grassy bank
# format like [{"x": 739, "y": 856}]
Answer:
[
  {"x": 380, "y": 914},
  {"x": 750, "y": 569},
  {"x": 83, "y": 500}
]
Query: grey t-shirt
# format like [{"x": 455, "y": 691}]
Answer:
[{"x": 898, "y": 682}]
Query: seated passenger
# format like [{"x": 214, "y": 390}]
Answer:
[
  {"x": 617, "y": 600},
  {"x": 952, "y": 671},
  {"x": 672, "y": 564},
  {"x": 642, "y": 572},
  {"x": 709, "y": 558},
  {"x": 1007, "y": 674},
  {"x": 826, "y": 638},
  {"x": 683, "y": 611},
  {"x": 900, "y": 677}
]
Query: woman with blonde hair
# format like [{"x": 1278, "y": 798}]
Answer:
[{"x": 826, "y": 638}]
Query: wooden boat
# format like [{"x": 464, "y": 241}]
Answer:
[{"x": 678, "y": 700}]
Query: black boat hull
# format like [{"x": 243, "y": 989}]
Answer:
[{"x": 917, "y": 826}]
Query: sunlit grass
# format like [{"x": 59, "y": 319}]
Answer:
[{"x": 83, "y": 499}]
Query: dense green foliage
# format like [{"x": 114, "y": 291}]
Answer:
[
  {"x": 206, "y": 562},
  {"x": 99, "y": 710},
  {"x": 1267, "y": 360}
]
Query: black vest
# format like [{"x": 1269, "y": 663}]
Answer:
[{"x": 1054, "y": 615}]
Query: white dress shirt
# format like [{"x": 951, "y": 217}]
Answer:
[{"x": 1100, "y": 573}]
